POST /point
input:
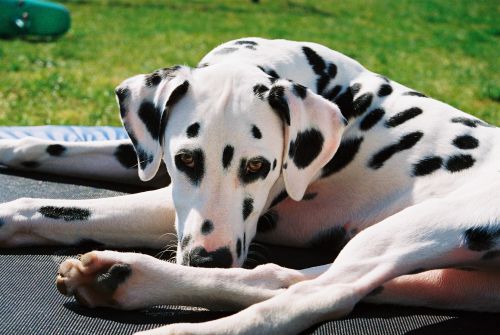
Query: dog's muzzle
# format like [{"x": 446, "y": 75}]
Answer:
[{"x": 200, "y": 257}]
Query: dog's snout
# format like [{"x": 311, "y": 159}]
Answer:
[{"x": 200, "y": 257}]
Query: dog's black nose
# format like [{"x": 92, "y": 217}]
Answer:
[{"x": 199, "y": 257}]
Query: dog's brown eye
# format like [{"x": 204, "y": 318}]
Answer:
[
  {"x": 254, "y": 166},
  {"x": 187, "y": 159}
]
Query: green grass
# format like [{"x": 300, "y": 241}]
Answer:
[{"x": 446, "y": 49}]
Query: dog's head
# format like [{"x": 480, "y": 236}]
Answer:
[{"x": 232, "y": 138}]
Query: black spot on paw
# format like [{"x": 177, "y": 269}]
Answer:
[
  {"x": 427, "y": 166},
  {"x": 65, "y": 213},
  {"x": 193, "y": 130},
  {"x": 306, "y": 147},
  {"x": 116, "y": 275},
  {"x": 30, "y": 164},
  {"x": 227, "y": 156},
  {"x": 331, "y": 240},
  {"x": 345, "y": 154},
  {"x": 403, "y": 116},
  {"x": 279, "y": 104},
  {"x": 466, "y": 142},
  {"x": 376, "y": 291},
  {"x": 151, "y": 118},
  {"x": 56, "y": 149},
  {"x": 247, "y": 208},
  {"x": 125, "y": 154},
  {"x": 490, "y": 255},
  {"x": 238, "y": 248},
  {"x": 259, "y": 90},
  {"x": 406, "y": 142},
  {"x": 256, "y": 132},
  {"x": 482, "y": 238},
  {"x": 268, "y": 221},
  {"x": 384, "y": 90},
  {"x": 207, "y": 227},
  {"x": 371, "y": 119},
  {"x": 196, "y": 172},
  {"x": 459, "y": 162},
  {"x": 415, "y": 94}
]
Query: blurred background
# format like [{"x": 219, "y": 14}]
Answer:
[{"x": 446, "y": 49}]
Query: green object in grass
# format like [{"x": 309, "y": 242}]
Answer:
[{"x": 33, "y": 18}]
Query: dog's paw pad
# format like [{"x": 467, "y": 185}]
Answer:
[{"x": 92, "y": 280}]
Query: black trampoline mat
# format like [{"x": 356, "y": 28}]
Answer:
[{"x": 30, "y": 303}]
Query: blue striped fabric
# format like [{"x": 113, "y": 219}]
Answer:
[{"x": 65, "y": 133}]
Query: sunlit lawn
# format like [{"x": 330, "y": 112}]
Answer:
[{"x": 446, "y": 49}]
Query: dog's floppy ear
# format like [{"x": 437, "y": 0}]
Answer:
[
  {"x": 145, "y": 102},
  {"x": 313, "y": 127}
]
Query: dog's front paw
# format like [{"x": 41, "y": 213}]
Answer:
[{"x": 103, "y": 278}]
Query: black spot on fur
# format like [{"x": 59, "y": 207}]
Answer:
[
  {"x": 404, "y": 143},
  {"x": 225, "y": 51},
  {"x": 152, "y": 79},
  {"x": 361, "y": 104},
  {"x": 220, "y": 258},
  {"x": 310, "y": 196},
  {"x": 122, "y": 94},
  {"x": 193, "y": 130},
  {"x": 331, "y": 240},
  {"x": 56, "y": 149},
  {"x": 151, "y": 118},
  {"x": 490, "y": 255},
  {"x": 355, "y": 88},
  {"x": 427, "y": 165},
  {"x": 345, "y": 103},
  {"x": 174, "y": 97},
  {"x": 30, "y": 164},
  {"x": 279, "y": 198},
  {"x": 268, "y": 221},
  {"x": 245, "y": 42},
  {"x": 473, "y": 123},
  {"x": 114, "y": 277},
  {"x": 376, "y": 291},
  {"x": 317, "y": 63},
  {"x": 459, "y": 162},
  {"x": 371, "y": 119},
  {"x": 145, "y": 158},
  {"x": 332, "y": 70},
  {"x": 247, "y": 208},
  {"x": 415, "y": 94},
  {"x": 227, "y": 156},
  {"x": 65, "y": 213},
  {"x": 250, "y": 177},
  {"x": 270, "y": 72},
  {"x": 332, "y": 93},
  {"x": 274, "y": 164},
  {"x": 384, "y": 90},
  {"x": 256, "y": 132},
  {"x": 465, "y": 142},
  {"x": 185, "y": 241},
  {"x": 259, "y": 90},
  {"x": 345, "y": 154},
  {"x": 279, "y": 104},
  {"x": 403, "y": 116},
  {"x": 306, "y": 147},
  {"x": 125, "y": 154},
  {"x": 238, "y": 248},
  {"x": 482, "y": 238},
  {"x": 207, "y": 227},
  {"x": 195, "y": 173},
  {"x": 299, "y": 90}
]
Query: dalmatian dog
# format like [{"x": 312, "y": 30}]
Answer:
[{"x": 289, "y": 143}]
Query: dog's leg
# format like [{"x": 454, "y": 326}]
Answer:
[
  {"x": 438, "y": 233},
  {"x": 131, "y": 280},
  {"x": 102, "y": 160},
  {"x": 144, "y": 219}
]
